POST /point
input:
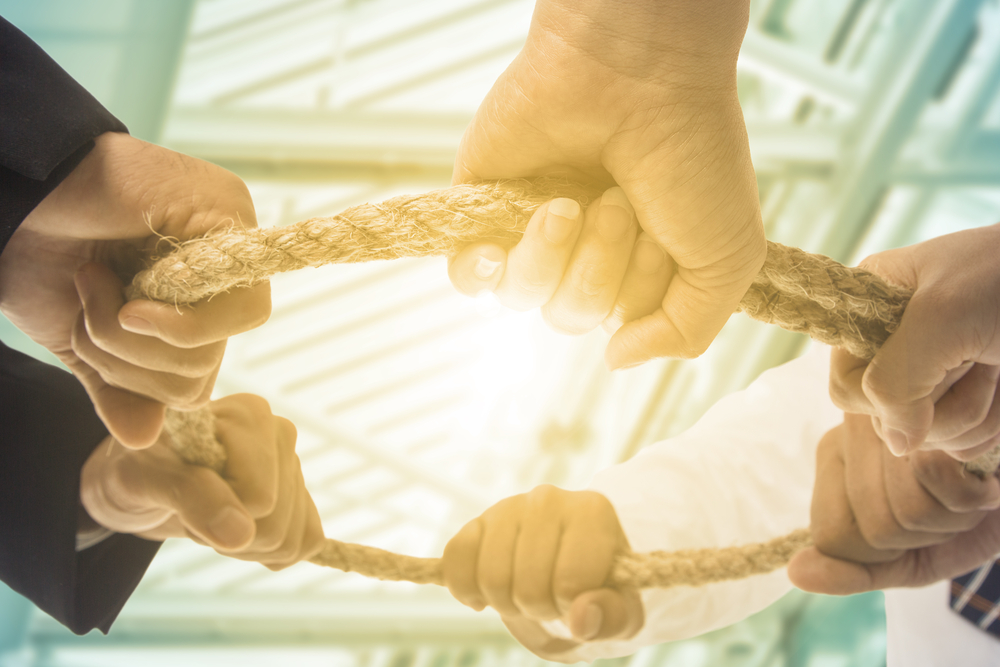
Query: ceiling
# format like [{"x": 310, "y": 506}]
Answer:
[{"x": 873, "y": 124}]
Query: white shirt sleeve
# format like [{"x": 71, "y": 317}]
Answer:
[{"x": 744, "y": 473}]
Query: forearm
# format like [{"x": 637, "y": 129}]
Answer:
[{"x": 743, "y": 474}]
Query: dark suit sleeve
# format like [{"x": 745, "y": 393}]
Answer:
[
  {"x": 48, "y": 123},
  {"x": 49, "y": 430},
  {"x": 48, "y": 427}
]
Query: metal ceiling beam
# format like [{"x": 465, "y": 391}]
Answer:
[
  {"x": 923, "y": 52},
  {"x": 778, "y": 61},
  {"x": 469, "y": 497},
  {"x": 416, "y": 619},
  {"x": 345, "y": 137},
  {"x": 316, "y": 137}
]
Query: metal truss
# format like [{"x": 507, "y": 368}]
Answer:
[{"x": 870, "y": 121}]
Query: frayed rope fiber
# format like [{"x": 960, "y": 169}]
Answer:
[{"x": 798, "y": 291}]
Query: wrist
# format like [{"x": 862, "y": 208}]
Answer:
[{"x": 685, "y": 40}]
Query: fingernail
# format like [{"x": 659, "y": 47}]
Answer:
[
  {"x": 649, "y": 257},
  {"x": 614, "y": 218},
  {"x": 485, "y": 268},
  {"x": 897, "y": 441},
  {"x": 231, "y": 528},
  {"x": 593, "y": 617},
  {"x": 560, "y": 219},
  {"x": 139, "y": 326}
]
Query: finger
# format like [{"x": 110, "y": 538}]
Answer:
[
  {"x": 313, "y": 537},
  {"x": 834, "y": 528},
  {"x": 535, "y": 266},
  {"x": 135, "y": 421},
  {"x": 279, "y": 531},
  {"x": 259, "y": 448},
  {"x": 112, "y": 487},
  {"x": 595, "y": 531},
  {"x": 535, "y": 555},
  {"x": 204, "y": 503},
  {"x": 915, "y": 508},
  {"x": 101, "y": 294},
  {"x": 208, "y": 321},
  {"x": 846, "y": 375},
  {"x": 477, "y": 267},
  {"x": 969, "y": 413},
  {"x": 815, "y": 572},
  {"x": 460, "y": 565},
  {"x": 606, "y": 613},
  {"x": 974, "y": 453},
  {"x": 957, "y": 491},
  {"x": 865, "y": 478},
  {"x": 697, "y": 304},
  {"x": 168, "y": 388},
  {"x": 287, "y": 550},
  {"x": 172, "y": 527},
  {"x": 644, "y": 285},
  {"x": 596, "y": 268},
  {"x": 495, "y": 567},
  {"x": 901, "y": 379}
]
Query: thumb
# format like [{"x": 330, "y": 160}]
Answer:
[
  {"x": 606, "y": 613},
  {"x": 815, "y": 572},
  {"x": 207, "y": 507}
]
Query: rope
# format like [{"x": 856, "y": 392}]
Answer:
[{"x": 798, "y": 291}]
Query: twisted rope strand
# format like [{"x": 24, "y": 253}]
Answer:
[{"x": 798, "y": 291}]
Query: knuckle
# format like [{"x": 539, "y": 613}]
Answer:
[
  {"x": 963, "y": 499},
  {"x": 971, "y": 413},
  {"x": 542, "y": 495},
  {"x": 101, "y": 334},
  {"x": 566, "y": 586},
  {"x": 879, "y": 533},
  {"x": 595, "y": 504},
  {"x": 199, "y": 362},
  {"x": 930, "y": 470},
  {"x": 533, "y": 279},
  {"x": 839, "y": 392},
  {"x": 911, "y": 518},
  {"x": 878, "y": 386},
  {"x": 592, "y": 280},
  {"x": 288, "y": 432},
  {"x": 185, "y": 391}
]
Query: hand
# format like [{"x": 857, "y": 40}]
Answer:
[
  {"x": 881, "y": 521},
  {"x": 259, "y": 510},
  {"x": 642, "y": 94},
  {"x": 61, "y": 272},
  {"x": 933, "y": 384},
  {"x": 582, "y": 269},
  {"x": 542, "y": 556}
]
